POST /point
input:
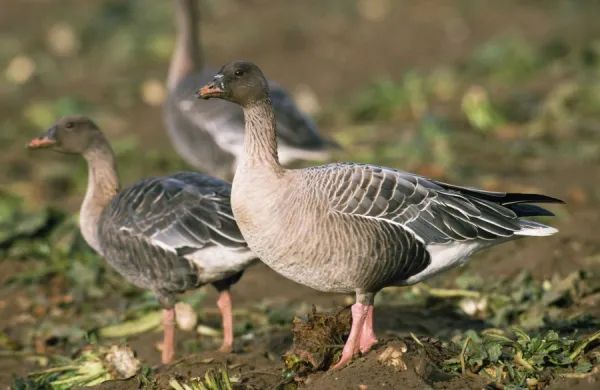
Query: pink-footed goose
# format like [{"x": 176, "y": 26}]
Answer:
[
  {"x": 166, "y": 234},
  {"x": 356, "y": 227},
  {"x": 210, "y": 135}
]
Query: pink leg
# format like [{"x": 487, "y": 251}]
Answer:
[
  {"x": 168, "y": 320},
  {"x": 224, "y": 304},
  {"x": 359, "y": 314},
  {"x": 367, "y": 337}
]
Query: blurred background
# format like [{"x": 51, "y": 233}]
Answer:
[{"x": 503, "y": 95}]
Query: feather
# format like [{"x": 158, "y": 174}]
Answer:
[{"x": 435, "y": 212}]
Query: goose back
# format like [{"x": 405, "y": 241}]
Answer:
[{"x": 174, "y": 233}]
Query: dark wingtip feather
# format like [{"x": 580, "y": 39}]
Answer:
[
  {"x": 515, "y": 198},
  {"x": 530, "y": 210}
]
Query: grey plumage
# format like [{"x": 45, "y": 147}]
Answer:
[
  {"x": 161, "y": 233},
  {"x": 435, "y": 212}
]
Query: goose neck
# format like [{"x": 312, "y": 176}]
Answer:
[
  {"x": 186, "y": 56},
  {"x": 103, "y": 184},
  {"x": 260, "y": 139}
]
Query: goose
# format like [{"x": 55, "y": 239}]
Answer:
[
  {"x": 210, "y": 136},
  {"x": 165, "y": 234},
  {"x": 356, "y": 228}
]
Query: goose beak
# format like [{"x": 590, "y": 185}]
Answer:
[
  {"x": 213, "y": 89},
  {"x": 45, "y": 140}
]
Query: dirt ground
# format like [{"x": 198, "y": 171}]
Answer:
[{"x": 337, "y": 59}]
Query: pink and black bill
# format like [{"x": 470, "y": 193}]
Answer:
[
  {"x": 212, "y": 89},
  {"x": 46, "y": 140}
]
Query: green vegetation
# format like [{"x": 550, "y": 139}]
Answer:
[
  {"x": 93, "y": 366},
  {"x": 212, "y": 380},
  {"x": 524, "y": 362}
]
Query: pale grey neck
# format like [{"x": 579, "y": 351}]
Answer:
[
  {"x": 260, "y": 139},
  {"x": 187, "y": 54},
  {"x": 103, "y": 184}
]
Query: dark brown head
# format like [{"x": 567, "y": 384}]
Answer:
[
  {"x": 70, "y": 134},
  {"x": 239, "y": 82}
]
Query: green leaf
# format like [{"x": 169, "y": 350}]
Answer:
[
  {"x": 514, "y": 387},
  {"x": 552, "y": 336},
  {"x": 474, "y": 336},
  {"x": 521, "y": 335},
  {"x": 536, "y": 343},
  {"x": 494, "y": 352},
  {"x": 30, "y": 223},
  {"x": 510, "y": 369},
  {"x": 583, "y": 367}
]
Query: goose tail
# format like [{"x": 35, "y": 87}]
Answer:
[{"x": 532, "y": 228}]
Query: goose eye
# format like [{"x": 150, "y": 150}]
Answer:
[
  {"x": 69, "y": 125},
  {"x": 239, "y": 72}
]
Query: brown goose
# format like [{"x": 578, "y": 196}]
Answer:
[
  {"x": 356, "y": 227},
  {"x": 166, "y": 234},
  {"x": 210, "y": 135}
]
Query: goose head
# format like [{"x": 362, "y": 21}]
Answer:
[
  {"x": 239, "y": 82},
  {"x": 71, "y": 134}
]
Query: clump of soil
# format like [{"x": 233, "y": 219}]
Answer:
[{"x": 318, "y": 340}]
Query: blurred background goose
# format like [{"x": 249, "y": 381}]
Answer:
[
  {"x": 355, "y": 227},
  {"x": 210, "y": 135},
  {"x": 166, "y": 234}
]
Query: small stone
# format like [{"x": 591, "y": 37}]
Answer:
[
  {"x": 472, "y": 306},
  {"x": 547, "y": 285},
  {"x": 531, "y": 382},
  {"x": 394, "y": 357},
  {"x": 122, "y": 362},
  {"x": 469, "y": 306},
  {"x": 185, "y": 316}
]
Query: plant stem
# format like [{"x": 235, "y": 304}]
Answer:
[
  {"x": 583, "y": 345},
  {"x": 140, "y": 325},
  {"x": 463, "y": 363}
]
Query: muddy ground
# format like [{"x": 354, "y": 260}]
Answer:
[{"x": 337, "y": 51}]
